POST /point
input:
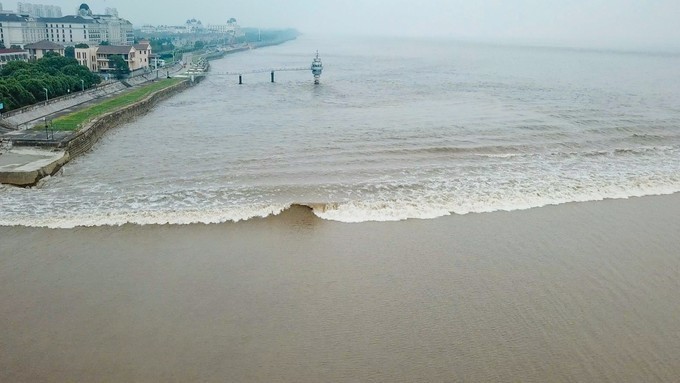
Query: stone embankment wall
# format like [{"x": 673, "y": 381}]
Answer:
[{"x": 90, "y": 134}]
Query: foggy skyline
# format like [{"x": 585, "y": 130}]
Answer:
[{"x": 624, "y": 23}]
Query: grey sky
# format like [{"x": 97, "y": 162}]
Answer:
[{"x": 618, "y": 23}]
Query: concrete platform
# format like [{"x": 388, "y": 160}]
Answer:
[{"x": 26, "y": 166}]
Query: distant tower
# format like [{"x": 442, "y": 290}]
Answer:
[{"x": 84, "y": 10}]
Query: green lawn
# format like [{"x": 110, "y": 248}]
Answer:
[{"x": 74, "y": 120}]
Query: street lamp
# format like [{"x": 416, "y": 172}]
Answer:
[
  {"x": 82, "y": 84},
  {"x": 47, "y": 97}
]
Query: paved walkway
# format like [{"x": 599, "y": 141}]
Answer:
[{"x": 33, "y": 117}]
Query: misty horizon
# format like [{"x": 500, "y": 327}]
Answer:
[{"x": 599, "y": 24}]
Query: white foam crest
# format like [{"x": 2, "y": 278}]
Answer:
[
  {"x": 398, "y": 210},
  {"x": 361, "y": 211},
  {"x": 160, "y": 217}
]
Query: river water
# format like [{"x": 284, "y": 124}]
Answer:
[{"x": 397, "y": 129}]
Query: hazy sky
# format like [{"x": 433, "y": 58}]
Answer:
[{"x": 618, "y": 23}]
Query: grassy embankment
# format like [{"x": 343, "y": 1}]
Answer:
[{"x": 75, "y": 120}]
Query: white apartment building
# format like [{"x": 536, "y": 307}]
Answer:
[
  {"x": 115, "y": 30},
  {"x": 71, "y": 30},
  {"x": 226, "y": 29},
  {"x": 20, "y": 29}
]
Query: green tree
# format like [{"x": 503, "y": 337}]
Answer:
[
  {"x": 198, "y": 45},
  {"x": 120, "y": 66},
  {"x": 70, "y": 52},
  {"x": 19, "y": 93},
  {"x": 51, "y": 54},
  {"x": 105, "y": 42},
  {"x": 53, "y": 63},
  {"x": 82, "y": 45},
  {"x": 24, "y": 83},
  {"x": 14, "y": 66}
]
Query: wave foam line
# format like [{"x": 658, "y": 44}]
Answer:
[
  {"x": 348, "y": 212},
  {"x": 161, "y": 217}
]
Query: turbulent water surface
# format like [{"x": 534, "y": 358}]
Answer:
[{"x": 397, "y": 129}]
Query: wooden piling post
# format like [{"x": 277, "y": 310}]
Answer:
[
  {"x": 240, "y": 79},
  {"x": 272, "y": 76}
]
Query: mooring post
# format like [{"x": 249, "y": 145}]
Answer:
[
  {"x": 240, "y": 79},
  {"x": 272, "y": 76}
]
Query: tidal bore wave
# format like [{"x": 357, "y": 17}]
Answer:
[{"x": 346, "y": 212}]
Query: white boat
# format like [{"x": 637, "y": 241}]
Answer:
[{"x": 317, "y": 68}]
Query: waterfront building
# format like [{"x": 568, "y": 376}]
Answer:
[
  {"x": 231, "y": 28},
  {"x": 73, "y": 30},
  {"x": 115, "y": 30},
  {"x": 106, "y": 52},
  {"x": 98, "y": 58},
  {"x": 84, "y": 27},
  {"x": 7, "y": 55},
  {"x": 37, "y": 50},
  {"x": 143, "y": 54},
  {"x": 87, "y": 57},
  {"x": 19, "y": 30},
  {"x": 194, "y": 26}
]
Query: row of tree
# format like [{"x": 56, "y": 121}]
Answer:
[{"x": 25, "y": 83}]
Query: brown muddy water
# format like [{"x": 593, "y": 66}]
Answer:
[{"x": 578, "y": 292}]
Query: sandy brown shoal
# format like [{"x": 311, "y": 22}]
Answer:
[{"x": 576, "y": 292}]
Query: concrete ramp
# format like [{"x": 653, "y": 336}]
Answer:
[{"x": 26, "y": 166}]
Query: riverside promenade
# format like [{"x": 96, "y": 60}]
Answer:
[{"x": 36, "y": 114}]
